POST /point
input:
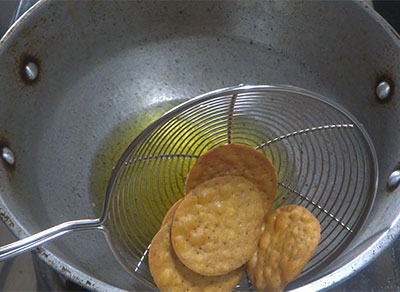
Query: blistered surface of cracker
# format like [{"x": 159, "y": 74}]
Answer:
[
  {"x": 238, "y": 160},
  {"x": 290, "y": 238},
  {"x": 170, "y": 274},
  {"x": 170, "y": 214},
  {"x": 217, "y": 225}
]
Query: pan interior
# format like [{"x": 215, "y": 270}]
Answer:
[{"x": 324, "y": 159}]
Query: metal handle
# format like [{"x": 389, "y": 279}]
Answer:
[{"x": 13, "y": 249}]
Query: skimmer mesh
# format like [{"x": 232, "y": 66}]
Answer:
[{"x": 324, "y": 160}]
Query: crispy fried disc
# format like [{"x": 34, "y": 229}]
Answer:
[
  {"x": 170, "y": 274},
  {"x": 217, "y": 225},
  {"x": 290, "y": 238},
  {"x": 238, "y": 160}
]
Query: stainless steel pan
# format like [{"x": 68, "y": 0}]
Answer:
[{"x": 79, "y": 80}]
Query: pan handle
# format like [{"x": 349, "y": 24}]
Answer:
[{"x": 26, "y": 244}]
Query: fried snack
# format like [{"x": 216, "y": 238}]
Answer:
[
  {"x": 170, "y": 274},
  {"x": 237, "y": 160},
  {"x": 217, "y": 225},
  {"x": 170, "y": 214},
  {"x": 290, "y": 238}
]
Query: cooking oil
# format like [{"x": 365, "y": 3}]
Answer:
[
  {"x": 115, "y": 144},
  {"x": 157, "y": 184}
]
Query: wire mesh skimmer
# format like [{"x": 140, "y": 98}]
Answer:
[{"x": 324, "y": 159}]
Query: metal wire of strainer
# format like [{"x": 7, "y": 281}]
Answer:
[{"x": 329, "y": 168}]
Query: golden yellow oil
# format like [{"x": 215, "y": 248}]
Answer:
[
  {"x": 140, "y": 212},
  {"x": 113, "y": 146}
]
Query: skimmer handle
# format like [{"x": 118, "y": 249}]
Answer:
[{"x": 26, "y": 244}]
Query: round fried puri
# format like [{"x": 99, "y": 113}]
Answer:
[
  {"x": 170, "y": 274},
  {"x": 217, "y": 225},
  {"x": 238, "y": 160},
  {"x": 291, "y": 235}
]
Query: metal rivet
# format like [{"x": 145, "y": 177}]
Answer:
[
  {"x": 31, "y": 70},
  {"x": 383, "y": 90},
  {"x": 394, "y": 180},
  {"x": 8, "y": 155}
]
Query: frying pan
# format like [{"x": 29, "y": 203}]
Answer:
[{"x": 102, "y": 71}]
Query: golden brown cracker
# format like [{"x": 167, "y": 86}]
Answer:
[
  {"x": 170, "y": 214},
  {"x": 170, "y": 274},
  {"x": 290, "y": 238},
  {"x": 237, "y": 160},
  {"x": 217, "y": 225}
]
